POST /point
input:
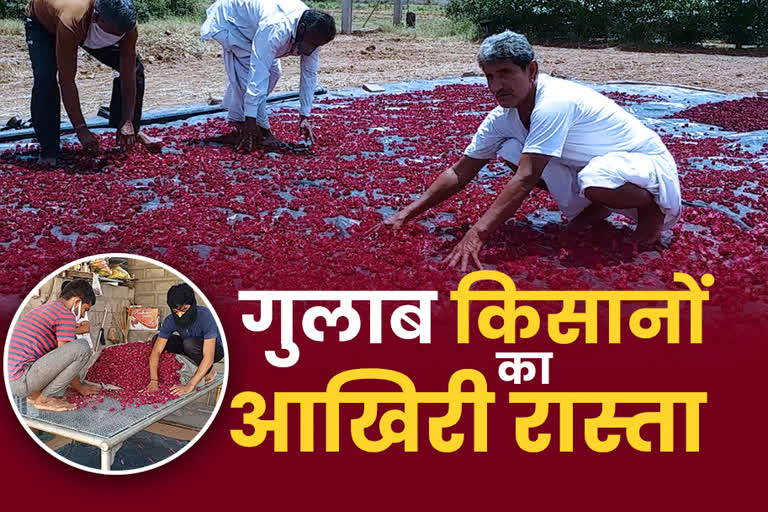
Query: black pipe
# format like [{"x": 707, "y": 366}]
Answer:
[{"x": 154, "y": 117}]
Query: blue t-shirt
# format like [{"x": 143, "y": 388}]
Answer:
[{"x": 204, "y": 326}]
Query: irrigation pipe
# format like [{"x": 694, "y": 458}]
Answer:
[{"x": 155, "y": 117}]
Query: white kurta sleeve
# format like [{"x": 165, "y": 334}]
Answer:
[
  {"x": 263, "y": 51},
  {"x": 308, "y": 81},
  {"x": 489, "y": 136}
]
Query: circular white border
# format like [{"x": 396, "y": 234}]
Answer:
[{"x": 156, "y": 464}]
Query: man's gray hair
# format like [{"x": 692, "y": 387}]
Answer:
[
  {"x": 120, "y": 13},
  {"x": 506, "y": 46}
]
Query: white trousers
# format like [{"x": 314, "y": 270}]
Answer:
[
  {"x": 237, "y": 64},
  {"x": 655, "y": 173}
]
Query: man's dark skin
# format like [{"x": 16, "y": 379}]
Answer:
[
  {"x": 251, "y": 133},
  {"x": 66, "y": 57}
]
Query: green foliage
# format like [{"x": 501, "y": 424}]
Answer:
[
  {"x": 742, "y": 21},
  {"x": 12, "y": 8},
  {"x": 146, "y": 9},
  {"x": 632, "y": 21},
  {"x": 150, "y": 9}
]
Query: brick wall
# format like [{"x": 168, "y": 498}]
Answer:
[
  {"x": 152, "y": 285},
  {"x": 112, "y": 297},
  {"x": 151, "y": 289}
]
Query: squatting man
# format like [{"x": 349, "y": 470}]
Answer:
[
  {"x": 254, "y": 35},
  {"x": 593, "y": 156},
  {"x": 190, "y": 330},
  {"x": 46, "y": 353},
  {"x": 107, "y": 30}
]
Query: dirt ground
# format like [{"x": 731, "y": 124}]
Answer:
[{"x": 179, "y": 73}]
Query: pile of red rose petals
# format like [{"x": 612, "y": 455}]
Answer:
[
  {"x": 126, "y": 366},
  {"x": 743, "y": 115},
  {"x": 232, "y": 221},
  {"x": 625, "y": 98}
]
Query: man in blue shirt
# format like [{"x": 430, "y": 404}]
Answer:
[{"x": 190, "y": 330}]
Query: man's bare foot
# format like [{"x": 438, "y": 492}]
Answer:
[
  {"x": 590, "y": 216},
  {"x": 89, "y": 389},
  {"x": 210, "y": 375},
  {"x": 650, "y": 220},
  {"x": 151, "y": 143},
  {"x": 49, "y": 403},
  {"x": 271, "y": 142},
  {"x": 229, "y": 139}
]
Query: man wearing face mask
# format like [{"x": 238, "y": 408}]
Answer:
[
  {"x": 43, "y": 355},
  {"x": 83, "y": 329},
  {"x": 254, "y": 35},
  {"x": 106, "y": 29},
  {"x": 190, "y": 330}
]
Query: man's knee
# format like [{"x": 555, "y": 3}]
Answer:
[
  {"x": 44, "y": 81},
  {"x": 193, "y": 346},
  {"x": 81, "y": 350},
  {"x": 599, "y": 195},
  {"x": 627, "y": 195}
]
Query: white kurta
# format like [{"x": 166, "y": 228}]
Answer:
[
  {"x": 254, "y": 34},
  {"x": 593, "y": 142}
]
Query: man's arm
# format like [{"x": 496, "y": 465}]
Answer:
[
  {"x": 307, "y": 86},
  {"x": 65, "y": 328},
  {"x": 528, "y": 174},
  {"x": 209, "y": 351},
  {"x": 308, "y": 81},
  {"x": 256, "y": 128},
  {"x": 449, "y": 182},
  {"x": 154, "y": 361},
  {"x": 83, "y": 327},
  {"x": 529, "y": 171},
  {"x": 262, "y": 56},
  {"x": 66, "y": 61},
  {"x": 126, "y": 132}
]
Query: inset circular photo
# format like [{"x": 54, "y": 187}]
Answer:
[{"x": 116, "y": 363}]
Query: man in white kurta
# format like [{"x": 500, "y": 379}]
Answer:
[
  {"x": 254, "y": 35},
  {"x": 593, "y": 142},
  {"x": 593, "y": 156}
]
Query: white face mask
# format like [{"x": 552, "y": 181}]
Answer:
[
  {"x": 79, "y": 313},
  {"x": 99, "y": 38}
]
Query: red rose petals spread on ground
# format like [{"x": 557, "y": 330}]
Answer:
[
  {"x": 232, "y": 221},
  {"x": 742, "y": 115},
  {"x": 127, "y": 366},
  {"x": 624, "y": 98}
]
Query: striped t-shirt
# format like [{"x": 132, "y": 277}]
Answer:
[{"x": 37, "y": 333}]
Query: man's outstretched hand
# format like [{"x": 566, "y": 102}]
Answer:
[
  {"x": 126, "y": 136},
  {"x": 87, "y": 139},
  {"x": 306, "y": 131},
  {"x": 469, "y": 247},
  {"x": 393, "y": 222}
]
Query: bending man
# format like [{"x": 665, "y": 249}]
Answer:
[
  {"x": 592, "y": 155},
  {"x": 254, "y": 35},
  {"x": 106, "y": 29},
  {"x": 43, "y": 355},
  {"x": 189, "y": 330}
]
